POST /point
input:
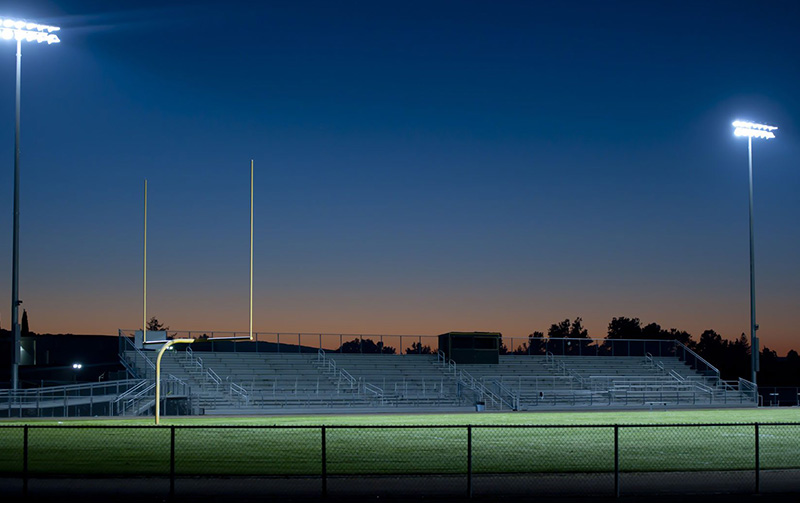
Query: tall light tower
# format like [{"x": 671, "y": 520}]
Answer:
[
  {"x": 759, "y": 131},
  {"x": 20, "y": 30}
]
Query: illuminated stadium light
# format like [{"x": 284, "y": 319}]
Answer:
[
  {"x": 757, "y": 126},
  {"x": 748, "y": 129},
  {"x": 21, "y": 31},
  {"x": 752, "y": 130},
  {"x": 28, "y": 31}
]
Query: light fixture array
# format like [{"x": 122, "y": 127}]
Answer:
[
  {"x": 28, "y": 31},
  {"x": 748, "y": 129}
]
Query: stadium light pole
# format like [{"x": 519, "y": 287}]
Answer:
[
  {"x": 759, "y": 131},
  {"x": 20, "y": 30}
]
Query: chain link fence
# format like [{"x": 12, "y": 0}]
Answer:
[{"x": 482, "y": 462}]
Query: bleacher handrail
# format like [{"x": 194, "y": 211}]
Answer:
[
  {"x": 235, "y": 389},
  {"x": 67, "y": 387},
  {"x": 686, "y": 350},
  {"x": 138, "y": 351},
  {"x": 131, "y": 390},
  {"x": 504, "y": 390}
]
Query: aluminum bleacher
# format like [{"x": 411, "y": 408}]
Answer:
[{"x": 303, "y": 381}]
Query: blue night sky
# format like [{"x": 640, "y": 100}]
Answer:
[{"x": 421, "y": 167}]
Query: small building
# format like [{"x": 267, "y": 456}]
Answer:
[{"x": 476, "y": 347}]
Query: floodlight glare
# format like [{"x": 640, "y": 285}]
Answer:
[
  {"x": 748, "y": 124},
  {"x": 28, "y": 31},
  {"x": 748, "y": 129}
]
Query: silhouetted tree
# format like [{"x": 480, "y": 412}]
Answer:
[
  {"x": 652, "y": 331},
  {"x": 624, "y": 328},
  {"x": 536, "y": 342},
  {"x": 681, "y": 336},
  {"x": 367, "y": 346},
  {"x": 769, "y": 359},
  {"x": 502, "y": 347},
  {"x": 24, "y": 330},
  {"x": 559, "y": 330},
  {"x": 417, "y": 348},
  {"x": 731, "y": 358},
  {"x": 154, "y": 325},
  {"x": 569, "y": 330}
]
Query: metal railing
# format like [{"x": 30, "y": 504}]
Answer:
[
  {"x": 485, "y": 395},
  {"x": 97, "y": 397},
  {"x": 136, "y": 402},
  {"x": 236, "y": 390},
  {"x": 128, "y": 345},
  {"x": 696, "y": 361},
  {"x": 340, "y": 375},
  {"x": 563, "y": 369},
  {"x": 303, "y": 342}
]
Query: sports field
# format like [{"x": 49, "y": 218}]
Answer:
[{"x": 407, "y": 444}]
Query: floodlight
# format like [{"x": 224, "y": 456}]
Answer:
[
  {"x": 752, "y": 130},
  {"x": 20, "y": 30},
  {"x": 28, "y": 31},
  {"x": 748, "y": 129}
]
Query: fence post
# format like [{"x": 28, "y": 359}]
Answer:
[
  {"x": 324, "y": 465},
  {"x": 25, "y": 462},
  {"x": 172, "y": 462},
  {"x": 616, "y": 461},
  {"x": 758, "y": 463},
  {"x": 469, "y": 462}
]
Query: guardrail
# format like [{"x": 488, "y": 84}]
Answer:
[
  {"x": 236, "y": 390},
  {"x": 37, "y": 402},
  {"x": 696, "y": 361},
  {"x": 340, "y": 374}
]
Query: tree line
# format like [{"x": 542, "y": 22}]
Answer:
[{"x": 731, "y": 357}]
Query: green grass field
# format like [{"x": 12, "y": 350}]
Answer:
[{"x": 114, "y": 446}]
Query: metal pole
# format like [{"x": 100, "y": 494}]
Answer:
[
  {"x": 469, "y": 462},
  {"x": 616, "y": 461},
  {"x": 753, "y": 326},
  {"x": 24, "y": 461},
  {"x": 324, "y": 465},
  {"x": 251, "y": 249},
  {"x": 144, "y": 267},
  {"x": 172, "y": 462},
  {"x": 15, "y": 260},
  {"x": 758, "y": 462}
]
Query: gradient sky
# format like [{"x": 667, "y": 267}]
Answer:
[{"x": 421, "y": 166}]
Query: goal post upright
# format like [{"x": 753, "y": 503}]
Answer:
[
  {"x": 251, "y": 249},
  {"x": 144, "y": 278}
]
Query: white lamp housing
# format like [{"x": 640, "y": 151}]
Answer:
[
  {"x": 27, "y": 31},
  {"x": 748, "y": 129}
]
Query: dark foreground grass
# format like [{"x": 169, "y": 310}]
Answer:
[{"x": 583, "y": 442}]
